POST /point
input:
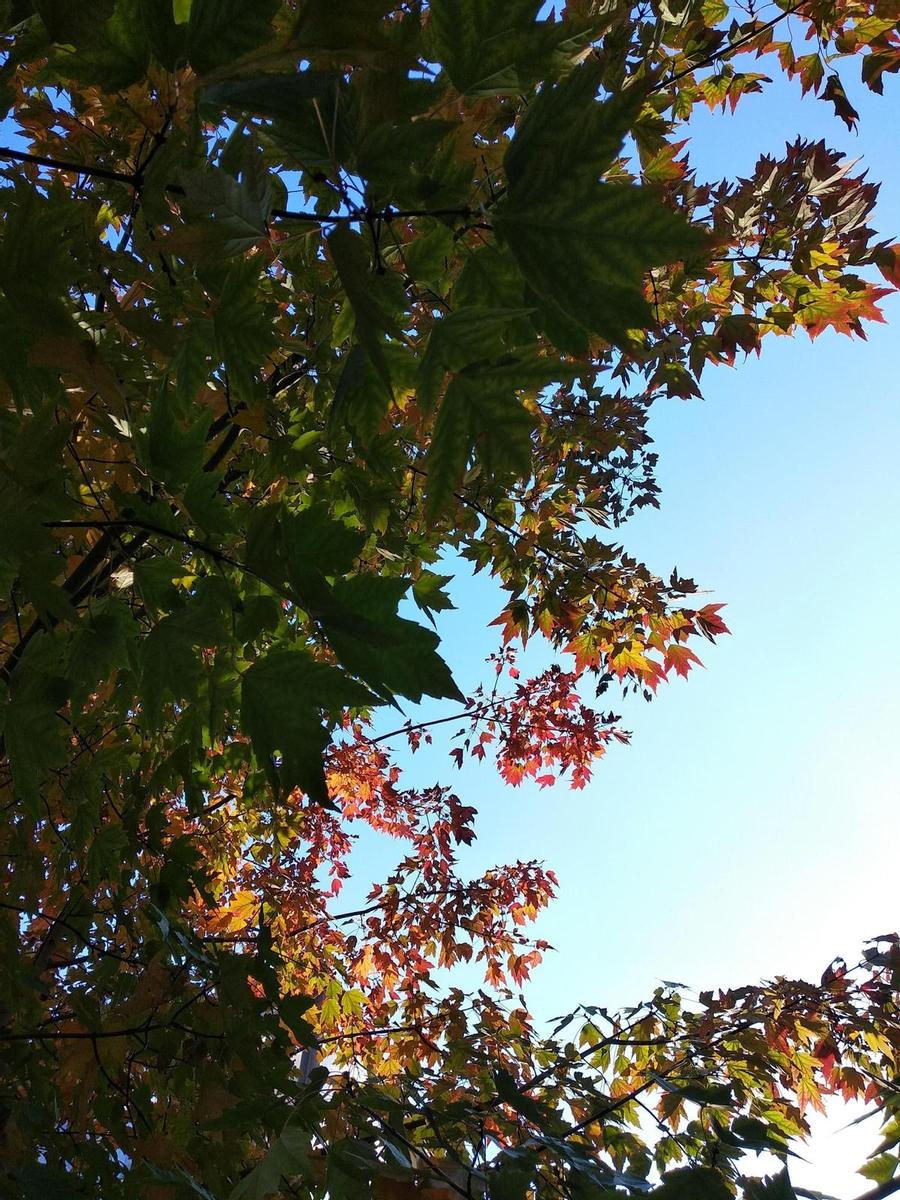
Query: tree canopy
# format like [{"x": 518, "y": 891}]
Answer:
[{"x": 301, "y": 301}]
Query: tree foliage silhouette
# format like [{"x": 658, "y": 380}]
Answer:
[{"x": 298, "y": 300}]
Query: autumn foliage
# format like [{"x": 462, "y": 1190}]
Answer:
[{"x": 302, "y": 303}]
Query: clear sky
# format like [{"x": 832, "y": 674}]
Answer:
[{"x": 750, "y": 828}]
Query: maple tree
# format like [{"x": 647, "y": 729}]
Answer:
[{"x": 241, "y": 433}]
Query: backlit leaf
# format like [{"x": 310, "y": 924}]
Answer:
[{"x": 283, "y": 698}]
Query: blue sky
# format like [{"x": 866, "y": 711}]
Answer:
[
  {"x": 743, "y": 831},
  {"x": 748, "y": 830}
]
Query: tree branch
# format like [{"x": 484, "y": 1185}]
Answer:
[
  {"x": 148, "y": 527},
  {"x": 281, "y": 214},
  {"x": 883, "y": 1189},
  {"x": 466, "y": 713},
  {"x": 724, "y": 52},
  {"x": 59, "y": 164}
]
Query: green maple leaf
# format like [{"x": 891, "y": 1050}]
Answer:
[
  {"x": 465, "y": 337},
  {"x": 587, "y": 255},
  {"x": 393, "y": 655},
  {"x": 692, "y": 1183},
  {"x": 774, "y": 1187},
  {"x": 270, "y": 95},
  {"x": 102, "y": 643},
  {"x": 283, "y": 698},
  {"x": 220, "y": 31},
  {"x": 429, "y": 593},
  {"x": 34, "y": 734},
  {"x": 289, "y": 1155},
  {"x": 373, "y": 318},
  {"x": 450, "y": 445},
  {"x": 493, "y": 47},
  {"x": 584, "y": 246},
  {"x": 479, "y": 414},
  {"x": 224, "y": 215}
]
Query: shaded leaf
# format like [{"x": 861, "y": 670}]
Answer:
[
  {"x": 283, "y": 697},
  {"x": 373, "y": 320}
]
